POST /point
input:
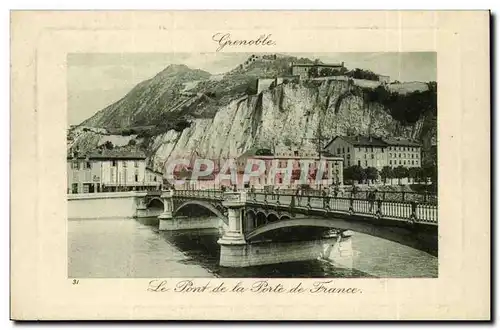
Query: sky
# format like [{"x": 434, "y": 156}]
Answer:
[{"x": 97, "y": 80}]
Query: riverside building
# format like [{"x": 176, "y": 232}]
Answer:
[
  {"x": 110, "y": 171},
  {"x": 376, "y": 152}
]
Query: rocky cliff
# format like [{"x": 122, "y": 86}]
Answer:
[
  {"x": 220, "y": 125},
  {"x": 288, "y": 115}
]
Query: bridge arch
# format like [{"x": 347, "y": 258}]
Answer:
[
  {"x": 155, "y": 203},
  {"x": 205, "y": 205},
  {"x": 250, "y": 221},
  {"x": 423, "y": 239},
  {"x": 260, "y": 219}
]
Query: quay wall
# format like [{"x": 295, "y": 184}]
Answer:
[{"x": 103, "y": 205}]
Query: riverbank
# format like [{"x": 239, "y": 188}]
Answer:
[{"x": 103, "y": 205}]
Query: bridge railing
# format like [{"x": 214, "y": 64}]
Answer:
[
  {"x": 398, "y": 196},
  {"x": 204, "y": 194},
  {"x": 403, "y": 210}
]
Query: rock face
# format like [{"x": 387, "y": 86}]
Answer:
[{"x": 288, "y": 115}]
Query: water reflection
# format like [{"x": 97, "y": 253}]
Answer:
[{"x": 135, "y": 248}]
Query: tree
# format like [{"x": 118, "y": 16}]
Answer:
[
  {"x": 430, "y": 172},
  {"x": 109, "y": 145},
  {"x": 312, "y": 72},
  {"x": 413, "y": 173},
  {"x": 386, "y": 173},
  {"x": 354, "y": 173},
  {"x": 363, "y": 74},
  {"x": 400, "y": 172},
  {"x": 325, "y": 72},
  {"x": 371, "y": 174},
  {"x": 132, "y": 142}
]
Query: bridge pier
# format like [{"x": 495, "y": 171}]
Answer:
[
  {"x": 232, "y": 244},
  {"x": 141, "y": 209},
  {"x": 166, "y": 219}
]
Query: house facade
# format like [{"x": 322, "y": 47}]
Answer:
[
  {"x": 302, "y": 70},
  {"x": 110, "y": 171},
  {"x": 375, "y": 152}
]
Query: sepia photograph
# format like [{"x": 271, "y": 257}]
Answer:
[{"x": 252, "y": 165}]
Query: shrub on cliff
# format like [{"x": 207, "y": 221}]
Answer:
[
  {"x": 362, "y": 74},
  {"x": 406, "y": 108}
]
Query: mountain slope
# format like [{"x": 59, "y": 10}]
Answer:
[{"x": 147, "y": 103}]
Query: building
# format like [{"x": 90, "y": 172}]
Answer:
[
  {"x": 280, "y": 159},
  {"x": 109, "y": 171},
  {"x": 302, "y": 70},
  {"x": 401, "y": 152},
  {"x": 375, "y": 152}
]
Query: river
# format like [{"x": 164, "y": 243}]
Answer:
[{"x": 128, "y": 248}]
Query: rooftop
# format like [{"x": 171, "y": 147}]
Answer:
[
  {"x": 367, "y": 141},
  {"x": 360, "y": 140},
  {"x": 111, "y": 154},
  {"x": 401, "y": 142},
  {"x": 334, "y": 65}
]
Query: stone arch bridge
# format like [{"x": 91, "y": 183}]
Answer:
[{"x": 262, "y": 228}]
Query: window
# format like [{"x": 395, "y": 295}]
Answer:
[
  {"x": 348, "y": 163},
  {"x": 359, "y": 163},
  {"x": 372, "y": 156},
  {"x": 338, "y": 150},
  {"x": 412, "y": 162},
  {"x": 113, "y": 163},
  {"x": 136, "y": 175},
  {"x": 348, "y": 156},
  {"x": 343, "y": 150},
  {"x": 416, "y": 162},
  {"x": 366, "y": 163},
  {"x": 88, "y": 165},
  {"x": 295, "y": 153},
  {"x": 399, "y": 155},
  {"x": 372, "y": 149},
  {"x": 348, "y": 149},
  {"x": 124, "y": 164},
  {"x": 365, "y": 156},
  {"x": 400, "y": 162},
  {"x": 74, "y": 188},
  {"x": 74, "y": 165},
  {"x": 154, "y": 179},
  {"x": 390, "y": 162},
  {"x": 136, "y": 163},
  {"x": 404, "y": 162},
  {"x": 390, "y": 155},
  {"x": 366, "y": 149}
]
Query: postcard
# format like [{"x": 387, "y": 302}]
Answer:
[{"x": 250, "y": 165}]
